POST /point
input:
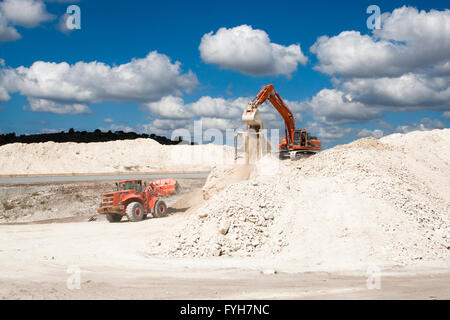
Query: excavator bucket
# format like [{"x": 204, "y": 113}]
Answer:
[{"x": 252, "y": 118}]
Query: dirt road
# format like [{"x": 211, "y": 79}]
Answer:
[
  {"x": 7, "y": 180},
  {"x": 114, "y": 263}
]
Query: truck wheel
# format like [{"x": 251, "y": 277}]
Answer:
[
  {"x": 160, "y": 209},
  {"x": 135, "y": 211},
  {"x": 113, "y": 217}
]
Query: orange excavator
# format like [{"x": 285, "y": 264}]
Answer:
[{"x": 295, "y": 141}]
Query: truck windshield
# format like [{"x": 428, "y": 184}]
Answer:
[
  {"x": 138, "y": 186},
  {"x": 127, "y": 185}
]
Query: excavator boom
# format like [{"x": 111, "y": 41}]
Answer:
[
  {"x": 285, "y": 112},
  {"x": 269, "y": 93}
]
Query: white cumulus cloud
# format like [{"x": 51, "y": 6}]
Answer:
[
  {"x": 328, "y": 133},
  {"x": 250, "y": 51},
  {"x": 376, "y": 133},
  {"x": 404, "y": 66},
  {"x": 409, "y": 91},
  {"x": 425, "y": 124},
  {"x": 171, "y": 107},
  {"x": 26, "y": 13},
  {"x": 173, "y": 112},
  {"x": 142, "y": 80},
  {"x": 7, "y": 32},
  {"x": 42, "y": 105},
  {"x": 333, "y": 106},
  {"x": 408, "y": 40}
]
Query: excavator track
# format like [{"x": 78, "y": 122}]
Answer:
[{"x": 295, "y": 155}]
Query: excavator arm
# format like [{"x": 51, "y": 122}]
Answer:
[{"x": 269, "y": 93}]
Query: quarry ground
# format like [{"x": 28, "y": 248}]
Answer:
[
  {"x": 36, "y": 255},
  {"x": 113, "y": 265}
]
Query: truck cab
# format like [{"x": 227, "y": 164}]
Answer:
[{"x": 135, "y": 185}]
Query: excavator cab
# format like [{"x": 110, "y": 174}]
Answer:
[
  {"x": 303, "y": 141},
  {"x": 302, "y": 144}
]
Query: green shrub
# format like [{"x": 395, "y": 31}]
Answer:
[{"x": 7, "y": 206}]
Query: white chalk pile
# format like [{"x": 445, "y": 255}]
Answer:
[{"x": 370, "y": 201}]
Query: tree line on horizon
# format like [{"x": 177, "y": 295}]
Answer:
[{"x": 82, "y": 136}]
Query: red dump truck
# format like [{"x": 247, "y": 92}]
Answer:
[{"x": 135, "y": 199}]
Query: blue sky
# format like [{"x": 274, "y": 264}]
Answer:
[{"x": 115, "y": 33}]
